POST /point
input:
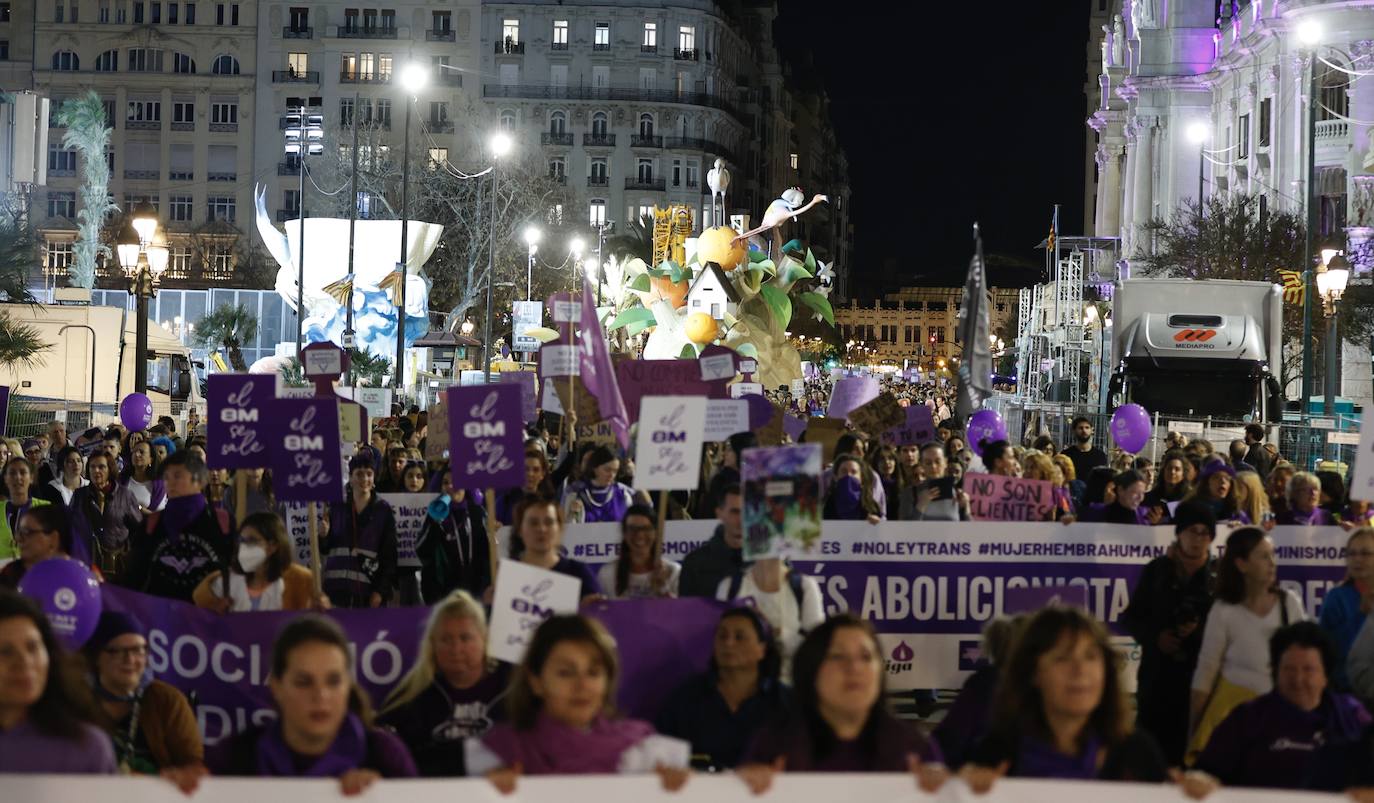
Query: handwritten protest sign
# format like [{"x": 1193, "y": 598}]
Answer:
[
  {"x": 410, "y": 511},
  {"x": 586, "y": 405},
  {"x": 596, "y": 432},
  {"x": 436, "y": 440},
  {"x": 918, "y": 429},
  {"x": 782, "y": 500},
  {"x": 851, "y": 392},
  {"x": 996, "y": 498},
  {"x": 725, "y": 417},
  {"x": 879, "y": 415},
  {"x": 236, "y": 432},
  {"x": 525, "y": 596},
  {"x": 486, "y": 439},
  {"x": 668, "y": 450},
  {"x": 305, "y": 450}
]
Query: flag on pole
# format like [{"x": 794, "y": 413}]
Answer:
[
  {"x": 598, "y": 374},
  {"x": 1054, "y": 231},
  {"x": 975, "y": 369},
  {"x": 1293, "y": 289}
]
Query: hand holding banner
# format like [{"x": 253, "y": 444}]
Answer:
[
  {"x": 486, "y": 439},
  {"x": 525, "y": 596}
]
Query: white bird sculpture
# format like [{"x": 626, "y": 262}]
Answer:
[
  {"x": 718, "y": 179},
  {"x": 786, "y": 208}
]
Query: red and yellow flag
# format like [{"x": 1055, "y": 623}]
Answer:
[{"x": 1293, "y": 289}]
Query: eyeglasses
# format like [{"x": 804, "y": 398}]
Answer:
[
  {"x": 126, "y": 652},
  {"x": 29, "y": 532}
]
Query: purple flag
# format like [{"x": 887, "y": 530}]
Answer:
[
  {"x": 305, "y": 450},
  {"x": 236, "y": 426},
  {"x": 598, "y": 375},
  {"x": 486, "y": 437}
]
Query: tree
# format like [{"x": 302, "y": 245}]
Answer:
[
  {"x": 367, "y": 369},
  {"x": 229, "y": 328},
  {"x": 19, "y": 343},
  {"x": 637, "y": 241},
  {"x": 88, "y": 133}
]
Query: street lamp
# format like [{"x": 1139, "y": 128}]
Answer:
[
  {"x": 1332, "y": 277},
  {"x": 1198, "y": 132},
  {"x": 305, "y": 138},
  {"x": 143, "y": 264},
  {"x": 532, "y": 236},
  {"x": 499, "y": 145},
  {"x": 413, "y": 77}
]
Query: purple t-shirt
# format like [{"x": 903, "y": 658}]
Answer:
[{"x": 24, "y": 748}]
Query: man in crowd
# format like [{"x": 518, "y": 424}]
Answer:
[
  {"x": 1084, "y": 456},
  {"x": 1255, "y": 453},
  {"x": 720, "y": 557}
]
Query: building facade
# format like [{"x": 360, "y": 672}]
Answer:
[{"x": 916, "y": 326}]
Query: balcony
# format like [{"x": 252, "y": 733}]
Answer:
[
  {"x": 141, "y": 175},
  {"x": 651, "y": 184},
  {"x": 510, "y": 48},
  {"x": 350, "y": 32},
  {"x": 598, "y": 140},
  {"x": 1332, "y": 131},
  {"x": 295, "y": 76},
  {"x": 297, "y": 33},
  {"x": 689, "y": 54},
  {"x": 142, "y": 125},
  {"x": 288, "y": 168},
  {"x": 592, "y": 181},
  {"x": 181, "y": 175},
  {"x": 558, "y": 47},
  {"x": 439, "y": 36},
  {"x": 601, "y": 47},
  {"x": 558, "y": 92},
  {"x": 222, "y": 176},
  {"x": 642, "y": 141},
  {"x": 695, "y": 144},
  {"x": 186, "y": 126},
  {"x": 61, "y": 172},
  {"x": 648, "y": 49},
  {"x": 439, "y": 126},
  {"x": 224, "y": 128},
  {"x": 550, "y": 138},
  {"x": 364, "y": 78}
]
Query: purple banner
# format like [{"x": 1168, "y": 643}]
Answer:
[
  {"x": 640, "y": 378},
  {"x": 225, "y": 659},
  {"x": 236, "y": 429},
  {"x": 598, "y": 374},
  {"x": 851, "y": 392},
  {"x": 525, "y": 380},
  {"x": 4, "y": 407},
  {"x": 486, "y": 438},
  {"x": 305, "y": 450}
]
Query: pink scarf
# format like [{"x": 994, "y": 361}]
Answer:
[{"x": 552, "y": 748}]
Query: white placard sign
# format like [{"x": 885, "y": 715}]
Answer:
[
  {"x": 558, "y": 360},
  {"x": 525, "y": 596},
  {"x": 725, "y": 417},
  {"x": 1184, "y": 427},
  {"x": 549, "y": 402},
  {"x": 740, "y": 389},
  {"x": 377, "y": 401},
  {"x": 668, "y": 448},
  {"x": 566, "y": 311},
  {"x": 748, "y": 366},
  {"x": 1345, "y": 438},
  {"x": 798, "y": 388},
  {"x": 717, "y": 366},
  {"x": 1362, "y": 480}
]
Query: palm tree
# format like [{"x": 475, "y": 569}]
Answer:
[
  {"x": 637, "y": 241},
  {"x": 19, "y": 342},
  {"x": 88, "y": 132},
  {"x": 368, "y": 369},
  {"x": 229, "y": 328}
]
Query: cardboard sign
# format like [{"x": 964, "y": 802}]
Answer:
[
  {"x": 781, "y": 488},
  {"x": 996, "y": 498},
  {"x": 1028, "y": 599},
  {"x": 436, "y": 439},
  {"x": 851, "y": 392},
  {"x": 305, "y": 450},
  {"x": 525, "y": 380},
  {"x": 525, "y": 596},
  {"x": 798, "y": 388},
  {"x": 410, "y": 511},
  {"x": 668, "y": 449},
  {"x": 486, "y": 438},
  {"x": 352, "y": 422},
  {"x": 825, "y": 431},
  {"x": 918, "y": 429},
  {"x": 640, "y": 378},
  {"x": 878, "y": 416},
  {"x": 725, "y": 417},
  {"x": 525, "y": 316},
  {"x": 742, "y": 389},
  {"x": 558, "y": 360},
  {"x": 596, "y": 432},
  {"x": 586, "y": 405},
  {"x": 236, "y": 430}
]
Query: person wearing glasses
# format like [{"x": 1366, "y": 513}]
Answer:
[
  {"x": 1346, "y": 607},
  {"x": 42, "y": 533},
  {"x": 150, "y": 723},
  {"x": 641, "y": 570}
]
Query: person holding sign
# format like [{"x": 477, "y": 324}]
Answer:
[
  {"x": 452, "y": 546},
  {"x": 937, "y": 497},
  {"x": 1126, "y": 506},
  {"x": 537, "y": 539},
  {"x": 641, "y": 571},
  {"x": 598, "y": 498},
  {"x": 262, "y": 575},
  {"x": 183, "y": 543},
  {"x": 359, "y": 543},
  {"x": 560, "y": 721}
]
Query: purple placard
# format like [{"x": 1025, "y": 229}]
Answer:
[
  {"x": 793, "y": 426},
  {"x": 1033, "y": 598},
  {"x": 4, "y": 407},
  {"x": 851, "y": 392},
  {"x": 236, "y": 428},
  {"x": 486, "y": 438},
  {"x": 918, "y": 430},
  {"x": 640, "y": 378},
  {"x": 525, "y": 380},
  {"x": 305, "y": 450}
]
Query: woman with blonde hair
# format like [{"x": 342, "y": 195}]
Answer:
[
  {"x": 1303, "y": 493},
  {"x": 1252, "y": 500},
  {"x": 452, "y": 691},
  {"x": 1040, "y": 466},
  {"x": 1075, "y": 486}
]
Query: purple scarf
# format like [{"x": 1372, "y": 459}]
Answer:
[
  {"x": 180, "y": 512},
  {"x": 847, "y": 497},
  {"x": 1040, "y": 760},
  {"x": 603, "y": 504},
  {"x": 1316, "y": 517},
  {"x": 552, "y": 748},
  {"x": 349, "y": 751}
]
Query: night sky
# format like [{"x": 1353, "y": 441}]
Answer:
[{"x": 974, "y": 113}]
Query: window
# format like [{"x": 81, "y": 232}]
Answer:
[
  {"x": 222, "y": 207},
  {"x": 1266, "y": 111},
  {"x": 558, "y": 123},
  {"x": 107, "y": 61},
  {"x": 560, "y": 34},
  {"x": 601, "y": 76},
  {"x": 438, "y": 156},
  {"x": 156, "y": 16},
  {"x": 103, "y": 12},
  {"x": 438, "y": 112},
  {"x": 687, "y": 37},
  {"x": 792, "y": 161},
  {"x": 60, "y": 257},
  {"x": 65, "y": 60},
  {"x": 646, "y": 171},
  {"x": 677, "y": 172},
  {"x": 383, "y": 66},
  {"x": 442, "y": 21},
  {"x": 346, "y": 111},
  {"x": 60, "y": 159},
  {"x": 300, "y": 19},
  {"x": 180, "y": 208},
  {"x": 643, "y": 211},
  {"x": 599, "y": 170},
  {"x": 366, "y": 66},
  {"x": 558, "y": 169},
  {"x": 599, "y": 125},
  {"x": 142, "y": 59},
  {"x": 226, "y": 14},
  {"x": 62, "y": 204},
  {"x": 190, "y": 13},
  {"x": 693, "y": 173},
  {"x": 348, "y": 66},
  {"x": 1243, "y": 130},
  {"x": 558, "y": 75},
  {"x": 4, "y": 12},
  {"x": 179, "y": 263},
  {"x": 4, "y": 50},
  {"x": 507, "y": 119},
  {"x": 383, "y": 116},
  {"x": 650, "y": 41},
  {"x": 221, "y": 262},
  {"x": 226, "y": 64},
  {"x": 388, "y": 19},
  {"x": 646, "y": 125},
  {"x": 171, "y": 13},
  {"x": 59, "y": 13},
  {"x": 144, "y": 111},
  {"x": 602, "y": 36},
  {"x": 369, "y": 19},
  {"x": 182, "y": 63},
  {"x": 351, "y": 19},
  {"x": 597, "y": 209},
  {"x": 510, "y": 31},
  {"x": 109, "y": 107},
  {"x": 224, "y": 113},
  {"x": 298, "y": 64},
  {"x": 183, "y": 111},
  {"x": 648, "y": 78}
]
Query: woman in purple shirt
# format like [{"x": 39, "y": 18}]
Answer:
[
  {"x": 839, "y": 720},
  {"x": 598, "y": 497},
  {"x": 1304, "y": 492},
  {"x": 45, "y": 723}
]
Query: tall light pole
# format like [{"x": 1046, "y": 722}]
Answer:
[
  {"x": 414, "y": 76},
  {"x": 143, "y": 264},
  {"x": 1198, "y": 133},
  {"x": 1332, "y": 276},
  {"x": 1310, "y": 35},
  {"x": 499, "y": 146},
  {"x": 308, "y": 134},
  {"x": 531, "y": 235},
  {"x": 576, "y": 247}
]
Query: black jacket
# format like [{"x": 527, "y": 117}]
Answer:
[
  {"x": 454, "y": 553},
  {"x": 708, "y": 564},
  {"x": 172, "y": 565}
]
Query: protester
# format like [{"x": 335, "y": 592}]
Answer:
[
  {"x": 259, "y": 496},
  {"x": 599, "y": 497},
  {"x": 1255, "y": 454},
  {"x": 1072, "y": 482},
  {"x": 721, "y": 556},
  {"x": 1359, "y": 665},
  {"x": 45, "y": 708},
  {"x": 1171, "y": 485},
  {"x": 640, "y": 571},
  {"x": 452, "y": 693},
  {"x": 141, "y": 477},
  {"x": 1165, "y": 615},
  {"x": 262, "y": 576},
  {"x": 183, "y": 543},
  {"x": 1039, "y": 466},
  {"x": 537, "y": 539},
  {"x": 1346, "y": 607},
  {"x": 391, "y": 479},
  {"x": 853, "y": 445},
  {"x": 851, "y": 492},
  {"x": 43, "y": 533},
  {"x": 790, "y": 601},
  {"x": 1272, "y": 741},
  {"x": 60, "y": 489},
  {"x": 359, "y": 543},
  {"x": 1000, "y": 459},
  {"x": 1233, "y": 662},
  {"x": 938, "y": 497},
  {"x": 536, "y": 484},
  {"x": 1332, "y": 498},
  {"x": 1277, "y": 485},
  {"x": 720, "y": 710},
  {"x": 1127, "y": 505},
  {"x": 1252, "y": 501},
  {"x": 884, "y": 463},
  {"x": 1216, "y": 488},
  {"x": 969, "y": 719},
  {"x": 1302, "y": 496},
  {"x": 150, "y": 722},
  {"x": 1084, "y": 456},
  {"x": 18, "y": 483},
  {"x": 453, "y": 546},
  {"x": 560, "y": 719},
  {"x": 840, "y": 721},
  {"x": 103, "y": 514}
]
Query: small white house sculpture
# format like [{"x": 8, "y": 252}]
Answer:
[{"x": 713, "y": 293}]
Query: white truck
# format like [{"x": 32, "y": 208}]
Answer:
[
  {"x": 90, "y": 361},
  {"x": 1198, "y": 348}
]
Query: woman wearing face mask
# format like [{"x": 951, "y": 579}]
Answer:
[
  {"x": 598, "y": 498},
  {"x": 850, "y": 495},
  {"x": 452, "y": 547},
  {"x": 560, "y": 716},
  {"x": 641, "y": 571},
  {"x": 1233, "y": 665},
  {"x": 1304, "y": 493},
  {"x": 141, "y": 477},
  {"x": 720, "y": 710},
  {"x": 60, "y": 490},
  {"x": 1346, "y": 608},
  {"x": 262, "y": 577},
  {"x": 103, "y": 513},
  {"x": 150, "y": 722},
  {"x": 18, "y": 481},
  {"x": 359, "y": 543},
  {"x": 537, "y": 539},
  {"x": 452, "y": 693},
  {"x": 840, "y": 721}
]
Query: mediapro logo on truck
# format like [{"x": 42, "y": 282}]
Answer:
[{"x": 1195, "y": 339}]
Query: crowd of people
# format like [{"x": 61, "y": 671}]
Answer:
[{"x": 1237, "y": 685}]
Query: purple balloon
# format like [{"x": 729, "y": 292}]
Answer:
[
  {"x": 985, "y": 425},
  {"x": 68, "y": 594},
  {"x": 1131, "y": 427},
  {"x": 136, "y": 412}
]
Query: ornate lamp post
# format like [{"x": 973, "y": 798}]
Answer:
[{"x": 143, "y": 264}]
